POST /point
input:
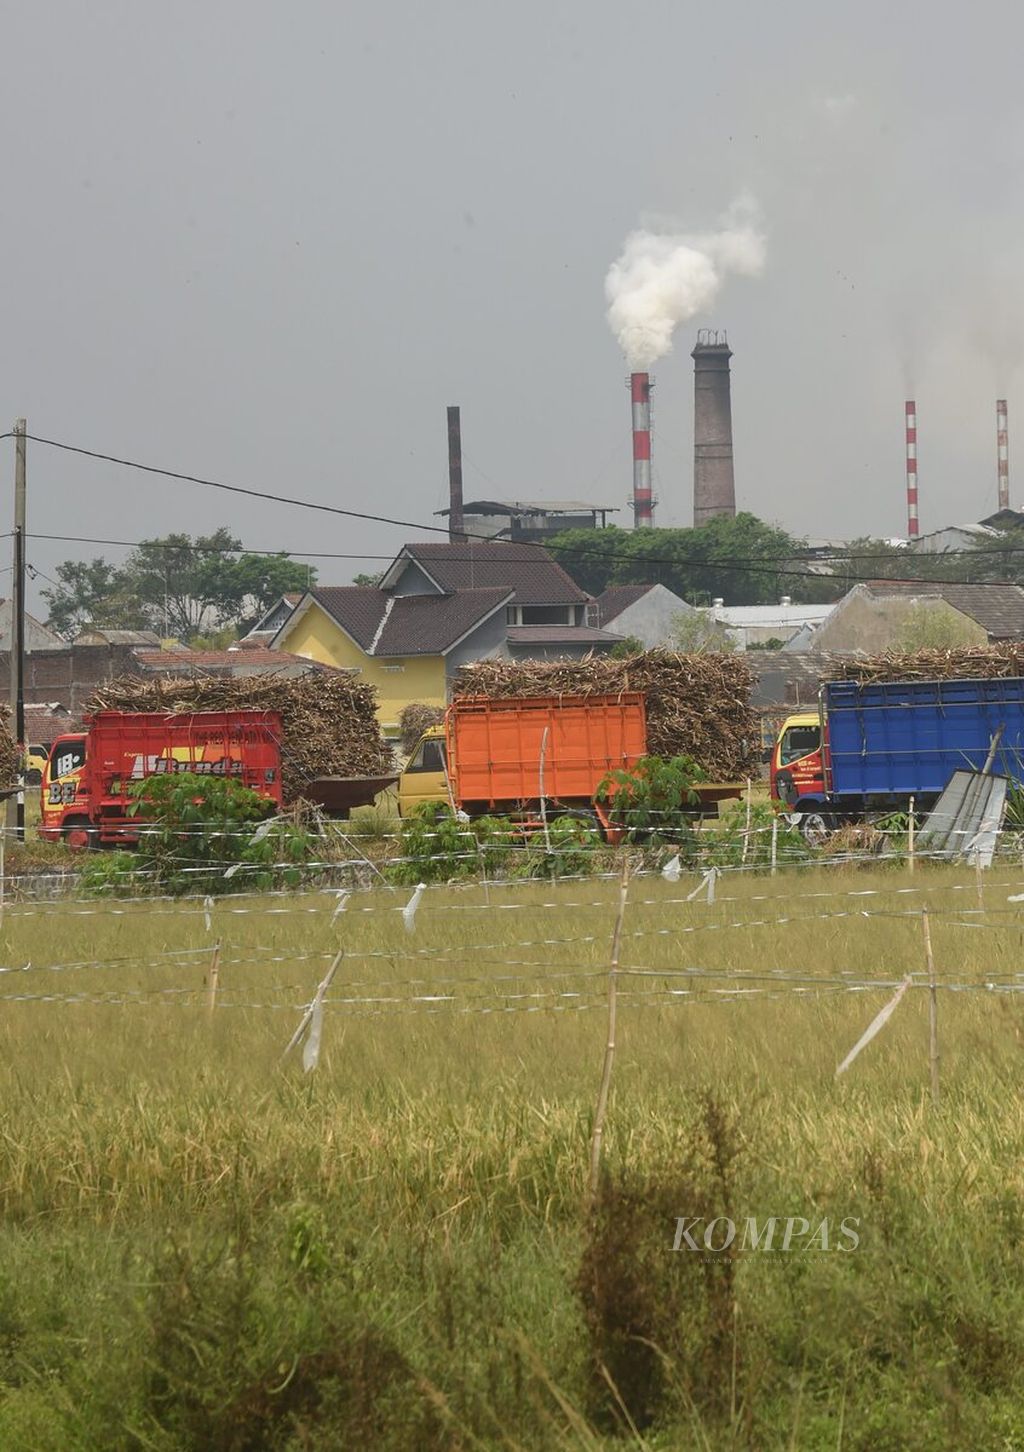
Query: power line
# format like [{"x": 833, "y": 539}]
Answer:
[{"x": 741, "y": 565}]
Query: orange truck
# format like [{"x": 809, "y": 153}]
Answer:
[{"x": 504, "y": 755}]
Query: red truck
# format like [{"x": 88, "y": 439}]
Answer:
[{"x": 86, "y": 780}]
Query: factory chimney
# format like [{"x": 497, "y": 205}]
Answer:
[
  {"x": 456, "y": 524},
  {"x": 913, "y": 529},
  {"x": 714, "y": 488},
  {"x": 643, "y": 503},
  {"x": 1003, "y": 453}
]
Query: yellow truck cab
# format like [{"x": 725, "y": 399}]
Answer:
[
  {"x": 423, "y": 778},
  {"x": 797, "y": 758}
]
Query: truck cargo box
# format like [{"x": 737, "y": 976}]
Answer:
[
  {"x": 894, "y": 739},
  {"x": 495, "y": 746}
]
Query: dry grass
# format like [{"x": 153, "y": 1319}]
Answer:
[{"x": 166, "y": 1183}]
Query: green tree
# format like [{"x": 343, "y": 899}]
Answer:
[
  {"x": 934, "y": 625},
  {"x": 740, "y": 558},
  {"x": 697, "y": 632},
  {"x": 176, "y": 585},
  {"x": 93, "y": 592}
]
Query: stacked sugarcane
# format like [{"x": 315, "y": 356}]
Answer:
[
  {"x": 697, "y": 705},
  {"x": 965, "y": 662},
  {"x": 329, "y": 719},
  {"x": 9, "y": 758}
]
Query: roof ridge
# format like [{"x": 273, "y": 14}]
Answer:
[{"x": 389, "y": 605}]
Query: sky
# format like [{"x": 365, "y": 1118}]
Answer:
[{"x": 269, "y": 244}]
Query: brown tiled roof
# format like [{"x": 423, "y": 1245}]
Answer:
[
  {"x": 531, "y": 572},
  {"x": 358, "y": 609},
  {"x": 258, "y": 657},
  {"x": 560, "y": 634},
  {"x": 618, "y": 598},
  {"x": 389, "y": 625},
  {"x": 998, "y": 609}
]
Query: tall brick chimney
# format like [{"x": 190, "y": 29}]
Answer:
[{"x": 714, "y": 488}]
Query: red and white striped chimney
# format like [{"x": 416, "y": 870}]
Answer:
[
  {"x": 1003, "y": 453},
  {"x": 643, "y": 504},
  {"x": 913, "y": 529}
]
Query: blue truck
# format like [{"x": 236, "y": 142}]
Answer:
[{"x": 871, "y": 747}]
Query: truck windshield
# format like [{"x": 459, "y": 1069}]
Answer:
[
  {"x": 798, "y": 741},
  {"x": 429, "y": 757},
  {"x": 67, "y": 756}
]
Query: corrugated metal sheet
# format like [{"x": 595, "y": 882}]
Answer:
[{"x": 965, "y": 821}]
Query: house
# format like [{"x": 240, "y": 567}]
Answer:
[
  {"x": 872, "y": 616},
  {"x": 763, "y": 625},
  {"x": 231, "y": 664},
  {"x": 530, "y": 519},
  {"x": 37, "y": 635},
  {"x": 437, "y": 607},
  {"x": 954, "y": 537},
  {"x": 99, "y": 635},
  {"x": 647, "y": 613},
  {"x": 269, "y": 624}
]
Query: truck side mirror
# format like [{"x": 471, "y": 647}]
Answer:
[{"x": 767, "y": 754}]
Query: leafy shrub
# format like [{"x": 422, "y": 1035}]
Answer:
[
  {"x": 655, "y": 801},
  {"x": 438, "y": 846},
  {"x": 111, "y": 874},
  {"x": 733, "y": 845},
  {"x": 573, "y": 839},
  {"x": 210, "y": 834}
]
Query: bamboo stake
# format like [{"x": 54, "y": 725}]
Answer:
[
  {"x": 308, "y": 1015},
  {"x": 775, "y": 845},
  {"x": 609, "y": 1052},
  {"x": 214, "y": 979},
  {"x": 3, "y": 873},
  {"x": 746, "y": 830},
  {"x": 910, "y": 835},
  {"x": 933, "y": 1010},
  {"x": 540, "y": 783}
]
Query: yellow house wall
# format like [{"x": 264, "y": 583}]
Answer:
[{"x": 422, "y": 677}]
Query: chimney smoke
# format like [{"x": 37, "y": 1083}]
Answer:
[
  {"x": 456, "y": 523},
  {"x": 714, "y": 487}
]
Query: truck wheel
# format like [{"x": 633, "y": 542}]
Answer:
[
  {"x": 80, "y": 835},
  {"x": 816, "y": 828}
]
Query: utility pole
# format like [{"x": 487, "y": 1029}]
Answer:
[{"x": 18, "y": 630}]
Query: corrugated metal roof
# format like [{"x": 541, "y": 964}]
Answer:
[{"x": 750, "y": 616}]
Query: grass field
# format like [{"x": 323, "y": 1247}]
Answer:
[{"x": 204, "y": 1247}]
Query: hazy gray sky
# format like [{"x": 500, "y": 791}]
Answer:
[{"x": 269, "y": 243}]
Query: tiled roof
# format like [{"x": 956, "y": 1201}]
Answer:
[
  {"x": 998, "y": 609},
  {"x": 618, "y": 598},
  {"x": 528, "y": 570},
  {"x": 259, "y": 658},
  {"x": 560, "y": 634},
  {"x": 389, "y": 625}
]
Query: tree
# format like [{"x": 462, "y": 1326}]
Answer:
[
  {"x": 697, "y": 631},
  {"x": 175, "y": 585},
  {"x": 739, "y": 558},
  {"x": 366, "y": 580},
  {"x": 934, "y": 625},
  {"x": 93, "y": 593}
]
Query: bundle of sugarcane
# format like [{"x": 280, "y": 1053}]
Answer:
[
  {"x": 965, "y": 662},
  {"x": 697, "y": 705},
  {"x": 9, "y": 758},
  {"x": 329, "y": 719}
]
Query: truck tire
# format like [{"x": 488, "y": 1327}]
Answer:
[
  {"x": 816, "y": 828},
  {"x": 80, "y": 834}
]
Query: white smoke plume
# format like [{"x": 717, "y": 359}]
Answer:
[{"x": 664, "y": 278}]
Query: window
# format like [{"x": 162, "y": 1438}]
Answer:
[
  {"x": 68, "y": 756},
  {"x": 392, "y": 668},
  {"x": 799, "y": 741},
  {"x": 429, "y": 757}
]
